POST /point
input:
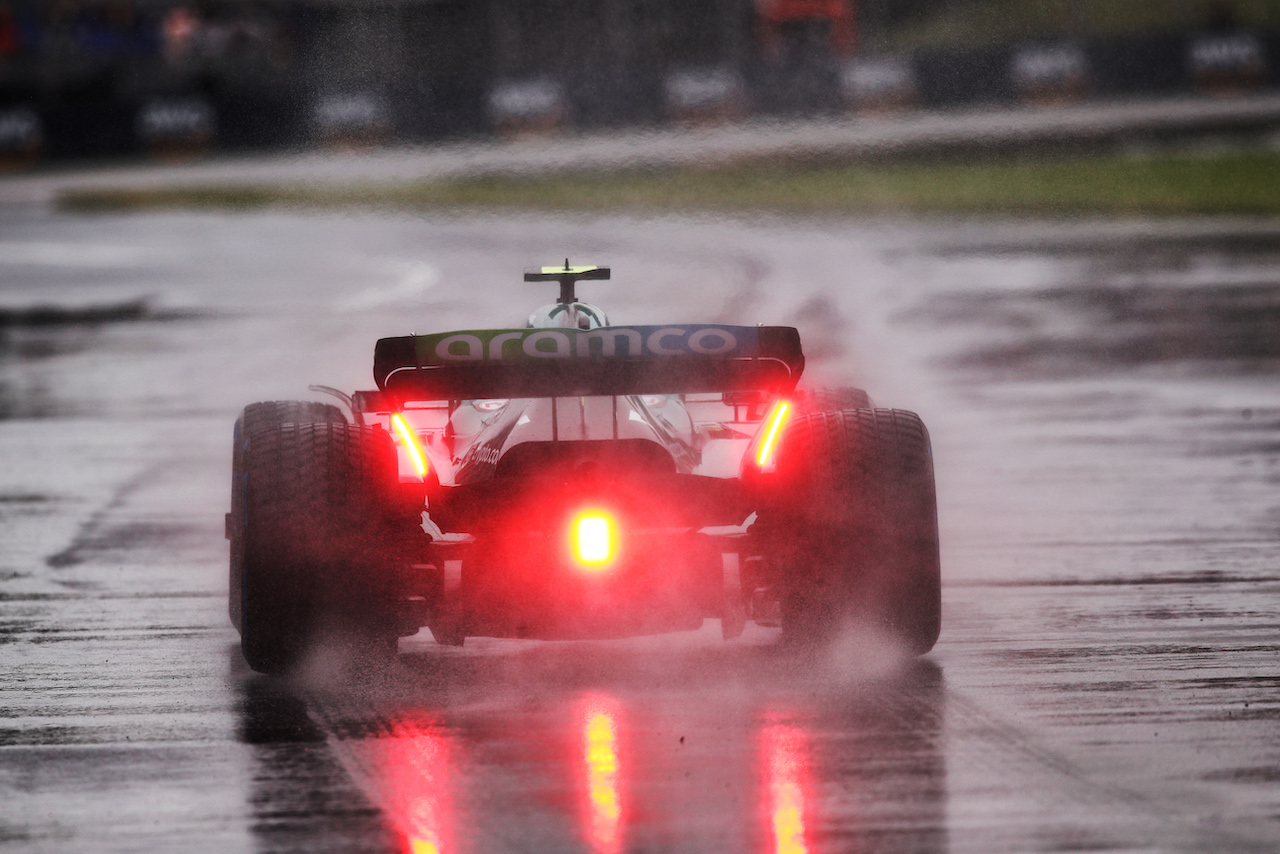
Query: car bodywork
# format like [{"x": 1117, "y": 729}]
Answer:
[
  {"x": 510, "y": 435},
  {"x": 579, "y": 479}
]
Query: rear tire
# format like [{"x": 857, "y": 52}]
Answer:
[
  {"x": 272, "y": 413},
  {"x": 254, "y": 419},
  {"x": 857, "y": 536},
  {"x": 316, "y": 527},
  {"x": 810, "y": 400}
]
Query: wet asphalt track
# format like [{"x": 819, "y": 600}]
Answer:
[{"x": 1106, "y": 423}]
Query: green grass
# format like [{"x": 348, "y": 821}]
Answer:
[{"x": 1170, "y": 185}]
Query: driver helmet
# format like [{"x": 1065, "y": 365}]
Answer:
[{"x": 571, "y": 315}]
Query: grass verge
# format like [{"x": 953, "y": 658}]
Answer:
[{"x": 1165, "y": 185}]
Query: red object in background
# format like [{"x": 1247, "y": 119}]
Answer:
[
  {"x": 9, "y": 41},
  {"x": 840, "y": 14},
  {"x": 179, "y": 32}
]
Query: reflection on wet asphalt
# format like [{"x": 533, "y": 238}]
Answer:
[
  {"x": 1105, "y": 422},
  {"x": 676, "y": 745},
  {"x": 1076, "y": 330}
]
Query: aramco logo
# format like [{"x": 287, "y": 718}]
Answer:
[{"x": 615, "y": 342}]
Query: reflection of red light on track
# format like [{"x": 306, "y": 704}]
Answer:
[
  {"x": 600, "y": 755},
  {"x": 787, "y": 766},
  {"x": 416, "y": 781}
]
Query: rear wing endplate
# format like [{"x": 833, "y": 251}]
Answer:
[{"x": 612, "y": 360}]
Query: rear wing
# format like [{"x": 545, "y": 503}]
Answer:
[{"x": 612, "y": 360}]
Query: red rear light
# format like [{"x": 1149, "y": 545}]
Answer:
[
  {"x": 592, "y": 539},
  {"x": 410, "y": 442},
  {"x": 771, "y": 430}
]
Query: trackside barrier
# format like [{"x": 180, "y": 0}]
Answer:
[
  {"x": 21, "y": 138},
  {"x": 176, "y": 128},
  {"x": 880, "y": 83},
  {"x": 529, "y": 105},
  {"x": 351, "y": 118},
  {"x": 99, "y": 118},
  {"x": 1227, "y": 62},
  {"x": 1051, "y": 73},
  {"x": 714, "y": 93}
]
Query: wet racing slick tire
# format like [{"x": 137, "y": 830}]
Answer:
[
  {"x": 316, "y": 522},
  {"x": 858, "y": 533},
  {"x": 270, "y": 413},
  {"x": 253, "y": 419},
  {"x": 827, "y": 399}
]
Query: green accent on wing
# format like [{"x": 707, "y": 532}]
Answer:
[{"x": 573, "y": 271}]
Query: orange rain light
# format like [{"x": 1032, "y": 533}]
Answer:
[
  {"x": 592, "y": 534},
  {"x": 774, "y": 424},
  {"x": 416, "y": 456}
]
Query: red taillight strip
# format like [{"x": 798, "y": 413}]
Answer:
[
  {"x": 416, "y": 456},
  {"x": 776, "y": 419}
]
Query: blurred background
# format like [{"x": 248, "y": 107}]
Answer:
[{"x": 95, "y": 78}]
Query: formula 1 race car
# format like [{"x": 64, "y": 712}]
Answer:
[{"x": 574, "y": 479}]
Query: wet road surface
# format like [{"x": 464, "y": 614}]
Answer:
[{"x": 1106, "y": 426}]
